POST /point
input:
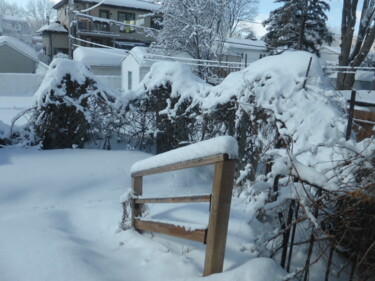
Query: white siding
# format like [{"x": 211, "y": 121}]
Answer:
[
  {"x": 112, "y": 81},
  {"x": 129, "y": 64},
  {"x": 106, "y": 70}
]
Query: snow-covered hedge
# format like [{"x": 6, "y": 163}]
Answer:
[
  {"x": 265, "y": 106},
  {"x": 296, "y": 167},
  {"x": 71, "y": 105}
]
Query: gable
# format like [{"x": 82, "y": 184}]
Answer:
[{"x": 13, "y": 61}]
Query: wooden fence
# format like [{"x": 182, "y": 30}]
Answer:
[
  {"x": 364, "y": 123},
  {"x": 220, "y": 198}
]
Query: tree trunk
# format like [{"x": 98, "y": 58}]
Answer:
[{"x": 365, "y": 39}]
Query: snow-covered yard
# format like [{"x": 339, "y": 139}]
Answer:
[{"x": 60, "y": 212}]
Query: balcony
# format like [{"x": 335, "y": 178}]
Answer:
[
  {"x": 93, "y": 28},
  {"x": 89, "y": 28}
]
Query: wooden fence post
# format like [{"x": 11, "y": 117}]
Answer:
[
  {"x": 351, "y": 112},
  {"x": 137, "y": 191},
  {"x": 219, "y": 216}
]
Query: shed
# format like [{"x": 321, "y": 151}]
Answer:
[
  {"x": 138, "y": 63},
  {"x": 16, "y": 56},
  {"x": 102, "y": 61},
  {"x": 54, "y": 39},
  {"x": 134, "y": 68}
]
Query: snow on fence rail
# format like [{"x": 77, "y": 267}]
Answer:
[{"x": 221, "y": 152}]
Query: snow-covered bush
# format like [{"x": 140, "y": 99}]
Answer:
[
  {"x": 71, "y": 106},
  {"x": 165, "y": 109},
  {"x": 295, "y": 163}
]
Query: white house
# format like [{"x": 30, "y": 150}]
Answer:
[
  {"x": 246, "y": 50},
  {"x": 102, "y": 61},
  {"x": 16, "y": 56},
  {"x": 237, "y": 54},
  {"x": 139, "y": 61},
  {"x": 15, "y": 27}
]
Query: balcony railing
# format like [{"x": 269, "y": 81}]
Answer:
[{"x": 98, "y": 29}]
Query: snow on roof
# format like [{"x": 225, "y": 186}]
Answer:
[
  {"x": 99, "y": 56},
  {"x": 220, "y": 145},
  {"x": 145, "y": 58},
  {"x": 248, "y": 44},
  {"x": 139, "y": 54},
  {"x": 56, "y": 27},
  {"x": 136, "y": 4},
  {"x": 19, "y": 46}
]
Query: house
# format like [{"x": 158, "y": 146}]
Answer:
[
  {"x": 93, "y": 25},
  {"x": 134, "y": 68},
  {"x": 244, "y": 50},
  {"x": 102, "y": 61},
  {"x": 15, "y": 27},
  {"x": 139, "y": 61},
  {"x": 16, "y": 56},
  {"x": 54, "y": 36}
]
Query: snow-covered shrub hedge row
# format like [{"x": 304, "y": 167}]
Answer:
[
  {"x": 294, "y": 159},
  {"x": 295, "y": 163}
]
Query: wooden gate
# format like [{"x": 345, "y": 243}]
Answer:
[{"x": 220, "y": 198}]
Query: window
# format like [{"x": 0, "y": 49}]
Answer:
[
  {"x": 102, "y": 26},
  {"x": 104, "y": 14},
  {"x": 130, "y": 80},
  {"x": 123, "y": 16},
  {"x": 126, "y": 18}
]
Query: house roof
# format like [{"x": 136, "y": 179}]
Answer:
[
  {"x": 54, "y": 27},
  {"x": 145, "y": 59},
  {"x": 99, "y": 56},
  {"x": 135, "y": 4},
  {"x": 19, "y": 46},
  {"x": 236, "y": 43}
]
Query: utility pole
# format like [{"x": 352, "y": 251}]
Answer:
[{"x": 70, "y": 16}]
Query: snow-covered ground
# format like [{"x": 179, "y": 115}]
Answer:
[{"x": 60, "y": 212}]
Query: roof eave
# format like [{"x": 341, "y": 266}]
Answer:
[
  {"x": 64, "y": 2},
  {"x": 58, "y": 5},
  {"x": 22, "y": 52}
]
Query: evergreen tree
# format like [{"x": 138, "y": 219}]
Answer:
[{"x": 298, "y": 24}]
